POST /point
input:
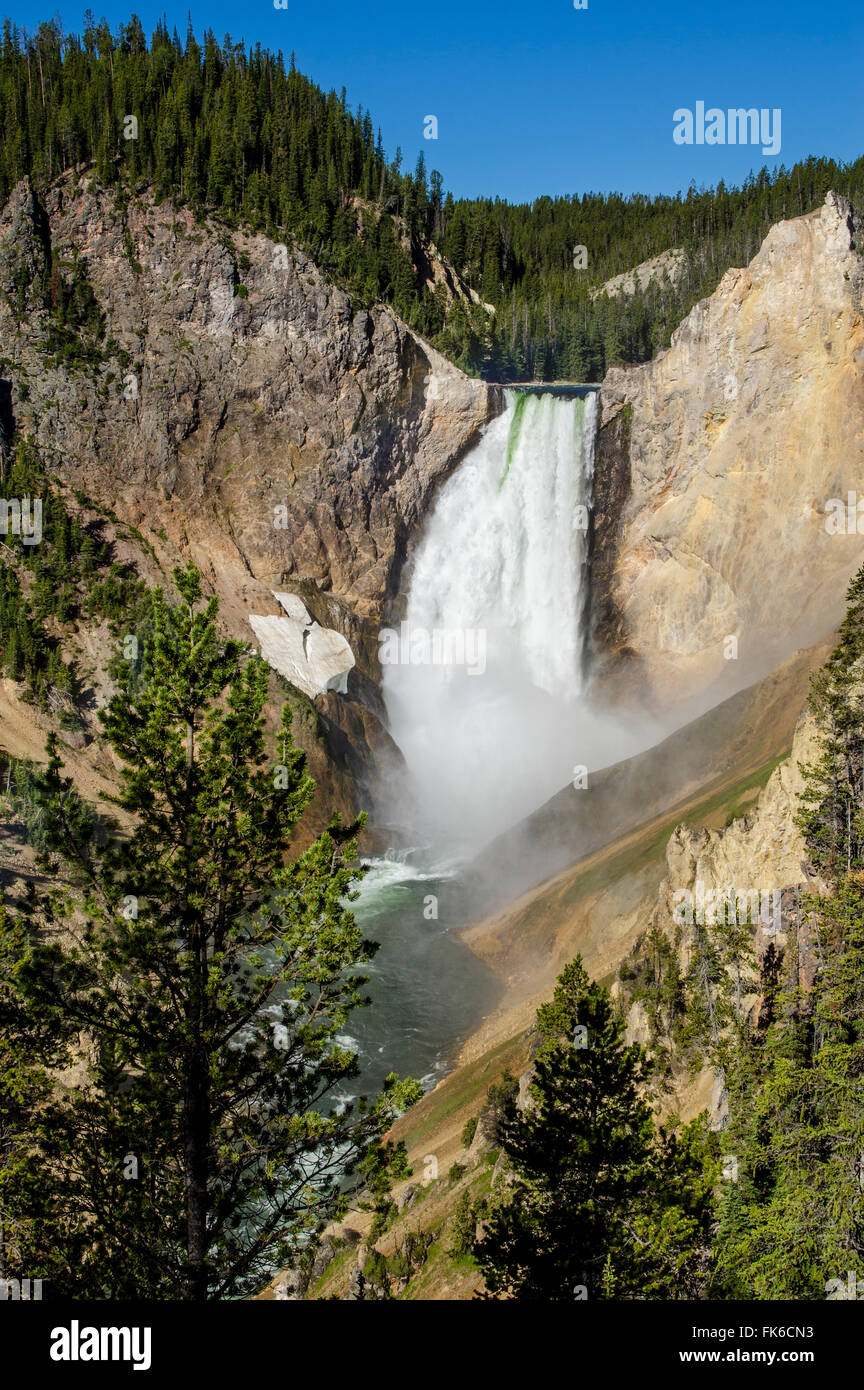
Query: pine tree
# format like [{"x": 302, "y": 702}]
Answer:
[
  {"x": 598, "y": 1204},
  {"x": 209, "y": 972},
  {"x": 793, "y": 1221},
  {"x": 233, "y": 130}
]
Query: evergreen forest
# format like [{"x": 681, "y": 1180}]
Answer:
[{"x": 238, "y": 133}]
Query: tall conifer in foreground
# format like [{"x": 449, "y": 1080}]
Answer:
[
  {"x": 596, "y": 1203},
  {"x": 205, "y": 974}
]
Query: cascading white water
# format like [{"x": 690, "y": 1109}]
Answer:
[{"x": 486, "y": 717}]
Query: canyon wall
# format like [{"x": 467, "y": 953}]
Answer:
[
  {"x": 243, "y": 413},
  {"x": 716, "y": 461},
  {"x": 252, "y": 384}
]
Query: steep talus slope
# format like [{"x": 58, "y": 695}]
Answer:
[
  {"x": 763, "y": 847},
  {"x": 668, "y": 265},
  {"x": 735, "y": 438}
]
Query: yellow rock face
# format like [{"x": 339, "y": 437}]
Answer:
[{"x": 741, "y": 433}]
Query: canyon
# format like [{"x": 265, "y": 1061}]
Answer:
[
  {"x": 290, "y": 441},
  {"x": 301, "y": 448}
]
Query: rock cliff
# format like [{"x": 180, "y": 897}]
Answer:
[
  {"x": 736, "y": 438},
  {"x": 761, "y": 850},
  {"x": 243, "y": 412},
  {"x": 759, "y": 862}
]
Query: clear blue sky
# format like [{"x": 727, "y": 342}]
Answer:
[{"x": 540, "y": 97}]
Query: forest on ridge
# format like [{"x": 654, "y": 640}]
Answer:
[{"x": 236, "y": 132}]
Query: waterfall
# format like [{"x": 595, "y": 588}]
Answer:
[{"x": 482, "y": 678}]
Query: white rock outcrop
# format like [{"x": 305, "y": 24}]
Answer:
[
  {"x": 312, "y": 657},
  {"x": 670, "y": 263}
]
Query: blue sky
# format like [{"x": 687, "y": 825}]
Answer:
[{"x": 543, "y": 98}]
